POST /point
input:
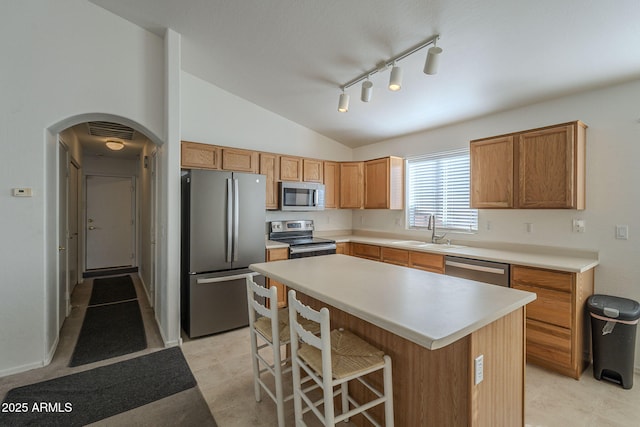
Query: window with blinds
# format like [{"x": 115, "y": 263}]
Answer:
[{"x": 440, "y": 184}]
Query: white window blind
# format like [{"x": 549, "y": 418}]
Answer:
[{"x": 440, "y": 184}]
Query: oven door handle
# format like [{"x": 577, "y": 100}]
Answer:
[{"x": 300, "y": 250}]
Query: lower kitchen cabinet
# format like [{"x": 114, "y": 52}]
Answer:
[
  {"x": 362, "y": 250},
  {"x": 427, "y": 261},
  {"x": 557, "y": 322},
  {"x": 276, "y": 255},
  {"x": 395, "y": 256},
  {"x": 343, "y": 248}
]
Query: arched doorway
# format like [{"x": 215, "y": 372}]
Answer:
[{"x": 82, "y": 145}]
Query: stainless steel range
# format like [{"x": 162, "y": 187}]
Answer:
[{"x": 299, "y": 236}]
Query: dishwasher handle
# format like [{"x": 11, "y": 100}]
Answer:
[{"x": 466, "y": 266}]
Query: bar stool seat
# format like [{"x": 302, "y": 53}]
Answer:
[{"x": 350, "y": 355}]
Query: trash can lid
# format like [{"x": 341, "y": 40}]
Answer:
[{"x": 614, "y": 307}]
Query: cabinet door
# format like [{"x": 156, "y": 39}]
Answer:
[
  {"x": 199, "y": 156},
  {"x": 395, "y": 256},
  {"x": 550, "y": 306},
  {"x": 240, "y": 160},
  {"x": 331, "y": 185},
  {"x": 492, "y": 172},
  {"x": 312, "y": 170},
  {"x": 290, "y": 168},
  {"x": 384, "y": 183},
  {"x": 426, "y": 261},
  {"x": 362, "y": 250},
  {"x": 276, "y": 255},
  {"x": 269, "y": 168},
  {"x": 546, "y": 168},
  {"x": 343, "y": 248},
  {"x": 351, "y": 185}
]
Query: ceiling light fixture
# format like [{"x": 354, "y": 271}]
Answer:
[
  {"x": 395, "y": 80},
  {"x": 343, "y": 103},
  {"x": 433, "y": 57},
  {"x": 115, "y": 145},
  {"x": 367, "y": 90}
]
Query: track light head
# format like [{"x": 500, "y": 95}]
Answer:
[
  {"x": 431, "y": 63},
  {"x": 367, "y": 90},
  {"x": 343, "y": 103},
  {"x": 395, "y": 80}
]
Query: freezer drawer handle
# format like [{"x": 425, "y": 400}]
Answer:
[
  {"x": 475, "y": 267},
  {"x": 225, "y": 278}
]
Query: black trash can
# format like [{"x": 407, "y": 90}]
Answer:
[{"x": 613, "y": 330}]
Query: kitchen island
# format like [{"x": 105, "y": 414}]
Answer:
[{"x": 433, "y": 327}]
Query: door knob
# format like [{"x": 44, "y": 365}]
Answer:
[{"x": 91, "y": 227}]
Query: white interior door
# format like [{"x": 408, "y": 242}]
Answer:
[
  {"x": 110, "y": 222},
  {"x": 154, "y": 207},
  {"x": 63, "y": 234}
]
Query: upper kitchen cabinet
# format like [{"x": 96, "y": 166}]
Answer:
[
  {"x": 331, "y": 185},
  {"x": 269, "y": 166},
  {"x": 492, "y": 172},
  {"x": 351, "y": 185},
  {"x": 237, "y": 160},
  {"x": 384, "y": 183},
  {"x": 552, "y": 167},
  {"x": 290, "y": 168},
  {"x": 535, "y": 169},
  {"x": 194, "y": 155},
  {"x": 312, "y": 170}
]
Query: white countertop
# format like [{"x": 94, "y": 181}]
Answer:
[
  {"x": 430, "y": 309},
  {"x": 550, "y": 258}
]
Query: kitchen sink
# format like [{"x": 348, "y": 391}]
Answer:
[{"x": 419, "y": 244}]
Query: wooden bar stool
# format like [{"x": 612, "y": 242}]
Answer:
[
  {"x": 333, "y": 359},
  {"x": 270, "y": 325}
]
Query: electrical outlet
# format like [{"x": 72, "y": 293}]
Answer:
[
  {"x": 489, "y": 225},
  {"x": 578, "y": 225},
  {"x": 479, "y": 369},
  {"x": 528, "y": 226}
]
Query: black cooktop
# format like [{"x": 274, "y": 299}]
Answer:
[{"x": 293, "y": 241}]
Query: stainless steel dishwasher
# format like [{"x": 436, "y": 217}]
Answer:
[{"x": 495, "y": 273}]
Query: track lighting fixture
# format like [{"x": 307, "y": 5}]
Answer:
[
  {"x": 395, "y": 79},
  {"x": 343, "y": 103},
  {"x": 431, "y": 63},
  {"x": 367, "y": 90}
]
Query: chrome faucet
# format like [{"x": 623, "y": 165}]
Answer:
[{"x": 431, "y": 225}]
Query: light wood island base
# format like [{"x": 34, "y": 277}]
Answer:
[{"x": 436, "y": 387}]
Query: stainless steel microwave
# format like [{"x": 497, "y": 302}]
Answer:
[{"x": 301, "y": 196}]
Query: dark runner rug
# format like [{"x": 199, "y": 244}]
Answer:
[
  {"x": 96, "y": 394},
  {"x": 112, "y": 289},
  {"x": 108, "y": 331}
]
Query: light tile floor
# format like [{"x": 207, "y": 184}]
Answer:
[{"x": 222, "y": 365}]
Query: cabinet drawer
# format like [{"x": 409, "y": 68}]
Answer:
[
  {"x": 557, "y": 280},
  {"x": 427, "y": 261},
  {"x": 551, "y": 306},
  {"x": 548, "y": 343},
  {"x": 395, "y": 256},
  {"x": 365, "y": 251}
]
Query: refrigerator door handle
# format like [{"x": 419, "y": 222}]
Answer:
[
  {"x": 229, "y": 220},
  {"x": 236, "y": 218}
]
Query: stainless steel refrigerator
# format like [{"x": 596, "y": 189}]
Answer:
[{"x": 223, "y": 229}]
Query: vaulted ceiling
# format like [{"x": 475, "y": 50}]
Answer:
[{"x": 291, "y": 56}]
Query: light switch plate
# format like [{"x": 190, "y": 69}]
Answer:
[{"x": 622, "y": 232}]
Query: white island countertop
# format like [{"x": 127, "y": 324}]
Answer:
[{"x": 429, "y": 309}]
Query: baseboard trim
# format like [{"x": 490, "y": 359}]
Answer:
[{"x": 19, "y": 369}]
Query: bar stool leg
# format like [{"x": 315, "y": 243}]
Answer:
[
  {"x": 255, "y": 364},
  {"x": 277, "y": 366},
  {"x": 388, "y": 392},
  {"x": 345, "y": 399}
]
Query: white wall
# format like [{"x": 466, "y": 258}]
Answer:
[
  {"x": 613, "y": 177},
  {"x": 67, "y": 58}
]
